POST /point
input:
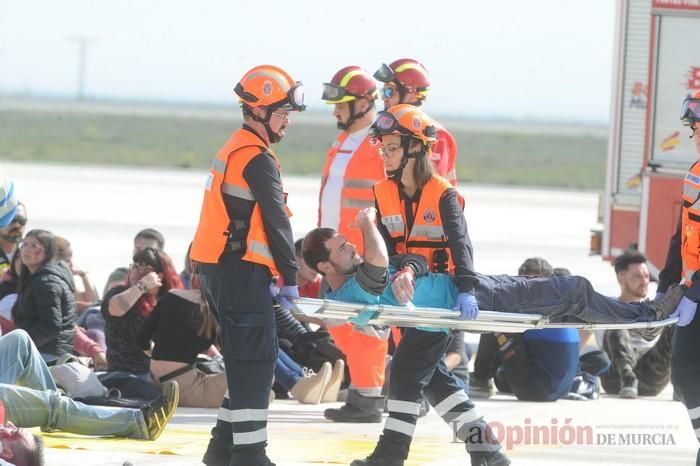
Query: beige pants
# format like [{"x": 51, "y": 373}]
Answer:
[{"x": 200, "y": 390}]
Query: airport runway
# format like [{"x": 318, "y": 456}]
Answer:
[{"x": 100, "y": 209}]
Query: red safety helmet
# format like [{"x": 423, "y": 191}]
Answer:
[
  {"x": 349, "y": 84},
  {"x": 407, "y": 73},
  {"x": 270, "y": 87}
]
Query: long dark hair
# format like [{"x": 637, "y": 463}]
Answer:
[
  {"x": 161, "y": 263},
  {"x": 422, "y": 168},
  {"x": 48, "y": 241}
]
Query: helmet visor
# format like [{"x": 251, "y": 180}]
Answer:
[
  {"x": 333, "y": 93},
  {"x": 384, "y": 73},
  {"x": 691, "y": 111},
  {"x": 295, "y": 98},
  {"x": 385, "y": 123}
]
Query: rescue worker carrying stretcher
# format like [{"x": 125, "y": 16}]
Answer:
[
  {"x": 418, "y": 367},
  {"x": 683, "y": 264},
  {"x": 243, "y": 239}
]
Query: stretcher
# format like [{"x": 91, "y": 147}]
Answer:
[{"x": 487, "y": 321}]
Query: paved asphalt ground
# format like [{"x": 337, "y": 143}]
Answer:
[{"x": 100, "y": 209}]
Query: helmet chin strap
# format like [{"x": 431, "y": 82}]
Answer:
[
  {"x": 693, "y": 128},
  {"x": 353, "y": 116},
  {"x": 398, "y": 173},
  {"x": 271, "y": 135}
]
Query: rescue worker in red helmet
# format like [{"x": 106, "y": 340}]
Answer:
[
  {"x": 406, "y": 82},
  {"x": 243, "y": 239},
  {"x": 683, "y": 265},
  {"x": 420, "y": 213},
  {"x": 352, "y": 167}
]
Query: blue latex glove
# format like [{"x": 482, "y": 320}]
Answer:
[
  {"x": 287, "y": 294},
  {"x": 467, "y": 306},
  {"x": 685, "y": 311}
]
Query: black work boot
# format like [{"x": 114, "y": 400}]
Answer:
[
  {"x": 219, "y": 449},
  {"x": 489, "y": 459},
  {"x": 376, "y": 460},
  {"x": 351, "y": 413}
]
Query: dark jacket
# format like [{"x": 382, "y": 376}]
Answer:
[{"x": 46, "y": 309}]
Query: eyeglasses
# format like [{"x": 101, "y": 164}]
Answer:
[
  {"x": 32, "y": 246},
  {"x": 142, "y": 268},
  {"x": 282, "y": 116},
  {"x": 388, "y": 92},
  {"x": 21, "y": 221},
  {"x": 389, "y": 150}
]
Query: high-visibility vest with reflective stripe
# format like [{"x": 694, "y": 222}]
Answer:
[
  {"x": 427, "y": 235},
  {"x": 226, "y": 176},
  {"x": 690, "y": 223},
  {"x": 364, "y": 169}
]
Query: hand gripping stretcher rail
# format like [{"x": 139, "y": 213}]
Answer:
[{"x": 487, "y": 321}]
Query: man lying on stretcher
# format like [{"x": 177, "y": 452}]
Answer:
[{"x": 364, "y": 280}]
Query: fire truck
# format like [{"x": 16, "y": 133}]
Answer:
[{"x": 657, "y": 64}]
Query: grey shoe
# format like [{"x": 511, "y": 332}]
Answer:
[
  {"x": 489, "y": 459},
  {"x": 480, "y": 388},
  {"x": 629, "y": 389}
]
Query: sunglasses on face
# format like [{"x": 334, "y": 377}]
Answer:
[
  {"x": 388, "y": 92},
  {"x": 21, "y": 221}
]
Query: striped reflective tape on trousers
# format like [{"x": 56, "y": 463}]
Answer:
[
  {"x": 405, "y": 407},
  {"x": 399, "y": 426},
  {"x": 237, "y": 191},
  {"x": 248, "y": 438},
  {"x": 465, "y": 418},
  {"x": 242, "y": 415},
  {"x": 374, "y": 391},
  {"x": 218, "y": 166},
  {"x": 450, "y": 402}
]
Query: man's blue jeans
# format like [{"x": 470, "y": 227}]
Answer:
[{"x": 31, "y": 398}]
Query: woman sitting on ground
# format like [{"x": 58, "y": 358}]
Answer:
[
  {"x": 45, "y": 306},
  {"x": 178, "y": 329},
  {"x": 126, "y": 307}
]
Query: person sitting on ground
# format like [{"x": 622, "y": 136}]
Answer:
[
  {"x": 562, "y": 299},
  {"x": 88, "y": 297},
  {"x": 639, "y": 367},
  {"x": 537, "y": 365},
  {"x": 30, "y": 398},
  {"x": 179, "y": 328},
  {"x": 125, "y": 308},
  {"x": 45, "y": 305}
]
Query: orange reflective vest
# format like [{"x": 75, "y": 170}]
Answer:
[
  {"x": 226, "y": 176},
  {"x": 427, "y": 236},
  {"x": 443, "y": 155},
  {"x": 364, "y": 169},
  {"x": 690, "y": 240}
]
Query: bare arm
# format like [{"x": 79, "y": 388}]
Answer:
[
  {"x": 375, "y": 249},
  {"x": 121, "y": 303}
]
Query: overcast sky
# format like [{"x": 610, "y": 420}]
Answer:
[{"x": 544, "y": 59}]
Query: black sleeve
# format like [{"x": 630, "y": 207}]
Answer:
[
  {"x": 47, "y": 298},
  {"x": 673, "y": 269},
  {"x": 372, "y": 279},
  {"x": 390, "y": 247},
  {"x": 455, "y": 226},
  {"x": 415, "y": 261},
  {"x": 264, "y": 180},
  {"x": 148, "y": 328}
]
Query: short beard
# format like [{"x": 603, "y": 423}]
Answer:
[{"x": 342, "y": 126}]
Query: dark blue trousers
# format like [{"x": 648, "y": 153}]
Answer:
[{"x": 238, "y": 294}]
